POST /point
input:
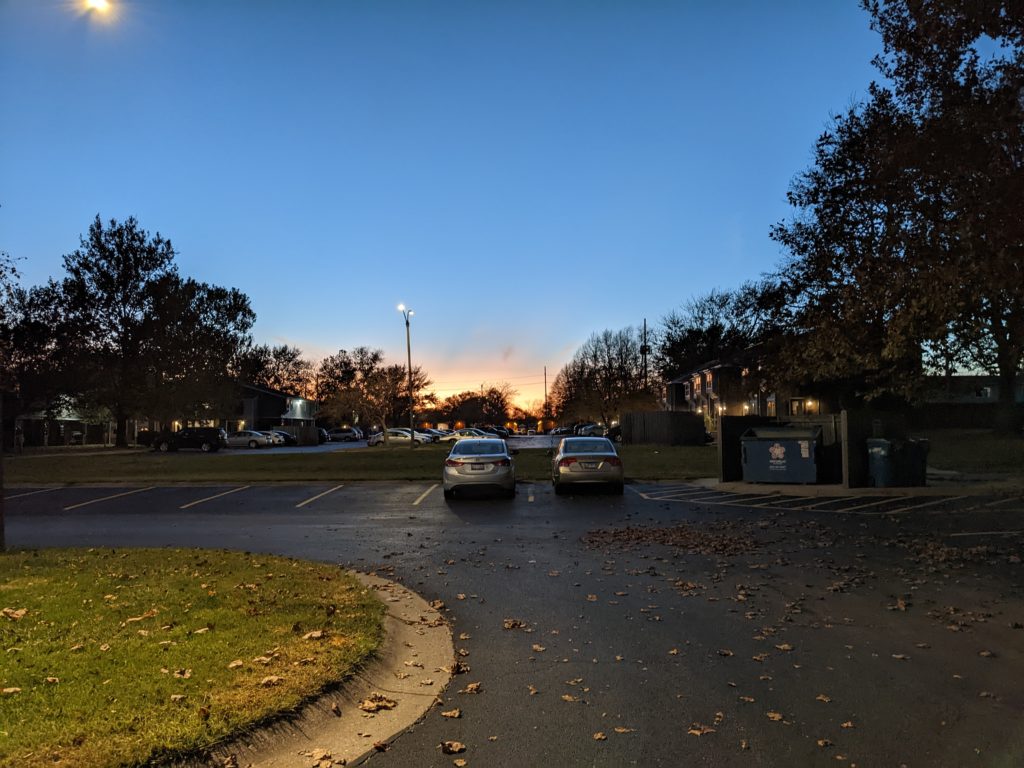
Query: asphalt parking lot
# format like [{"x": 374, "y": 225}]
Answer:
[{"x": 674, "y": 625}]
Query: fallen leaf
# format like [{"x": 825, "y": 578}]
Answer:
[
  {"x": 176, "y": 697},
  {"x": 236, "y": 664},
  {"x": 569, "y": 697},
  {"x": 785, "y": 647},
  {"x": 471, "y": 688},
  {"x": 591, "y": 598},
  {"x": 776, "y": 716},
  {"x": 724, "y": 652},
  {"x": 538, "y": 648},
  {"x": 623, "y": 729},
  {"x": 599, "y": 736},
  {"x": 901, "y": 657},
  {"x": 674, "y": 652},
  {"x": 376, "y": 702},
  {"x": 824, "y": 743},
  {"x": 699, "y": 729},
  {"x": 747, "y": 699},
  {"x": 381, "y": 746},
  {"x": 10, "y": 691},
  {"x": 452, "y": 713},
  {"x": 823, "y": 698},
  {"x": 270, "y": 680},
  {"x": 14, "y": 614},
  {"x": 847, "y": 724},
  {"x": 183, "y": 674},
  {"x": 452, "y": 747},
  {"x": 458, "y": 762},
  {"x": 511, "y": 624},
  {"x": 533, "y": 689},
  {"x": 316, "y": 634},
  {"x": 986, "y": 654}
]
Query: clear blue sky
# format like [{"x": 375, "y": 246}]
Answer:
[{"x": 522, "y": 174}]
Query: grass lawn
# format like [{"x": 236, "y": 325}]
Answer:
[
  {"x": 642, "y": 462},
  {"x": 975, "y": 450},
  {"x": 113, "y": 657}
]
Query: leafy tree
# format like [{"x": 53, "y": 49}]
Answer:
[
  {"x": 333, "y": 373},
  {"x": 378, "y": 393},
  {"x": 709, "y": 327},
  {"x": 8, "y": 275},
  {"x": 490, "y": 405},
  {"x": 908, "y": 236},
  {"x": 282, "y": 368}
]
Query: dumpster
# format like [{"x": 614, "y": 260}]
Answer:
[
  {"x": 897, "y": 463},
  {"x": 781, "y": 454}
]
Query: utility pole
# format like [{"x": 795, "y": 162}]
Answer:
[
  {"x": 644, "y": 351},
  {"x": 545, "y": 413}
]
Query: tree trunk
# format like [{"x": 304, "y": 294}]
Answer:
[
  {"x": 3, "y": 542},
  {"x": 121, "y": 438}
]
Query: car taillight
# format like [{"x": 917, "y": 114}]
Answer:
[
  {"x": 567, "y": 462},
  {"x": 452, "y": 463},
  {"x": 615, "y": 461},
  {"x": 503, "y": 463}
]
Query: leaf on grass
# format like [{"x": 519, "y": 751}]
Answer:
[
  {"x": 316, "y": 634},
  {"x": 10, "y": 691},
  {"x": 14, "y": 614},
  {"x": 271, "y": 680},
  {"x": 236, "y": 664},
  {"x": 176, "y": 697},
  {"x": 147, "y": 615},
  {"x": 183, "y": 674}
]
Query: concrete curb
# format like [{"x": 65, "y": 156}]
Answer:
[
  {"x": 974, "y": 486},
  {"x": 412, "y": 668}
]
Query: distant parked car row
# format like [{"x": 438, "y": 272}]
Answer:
[{"x": 210, "y": 439}]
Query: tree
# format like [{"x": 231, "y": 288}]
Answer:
[
  {"x": 709, "y": 327},
  {"x": 333, "y": 373},
  {"x": 378, "y": 393},
  {"x": 113, "y": 281},
  {"x": 908, "y": 233},
  {"x": 604, "y": 378},
  {"x": 282, "y": 368},
  {"x": 8, "y": 274},
  {"x": 490, "y": 405}
]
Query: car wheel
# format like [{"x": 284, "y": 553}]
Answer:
[
  {"x": 206, "y": 447},
  {"x": 253, "y": 444},
  {"x": 618, "y": 489},
  {"x": 449, "y": 494},
  {"x": 164, "y": 446}
]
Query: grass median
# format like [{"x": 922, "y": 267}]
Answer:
[
  {"x": 116, "y": 657},
  {"x": 642, "y": 462}
]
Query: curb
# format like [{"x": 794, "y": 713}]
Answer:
[{"x": 412, "y": 668}]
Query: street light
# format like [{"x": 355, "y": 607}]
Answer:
[{"x": 407, "y": 313}]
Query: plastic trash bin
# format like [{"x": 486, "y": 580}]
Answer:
[
  {"x": 897, "y": 463},
  {"x": 881, "y": 468},
  {"x": 780, "y": 454}
]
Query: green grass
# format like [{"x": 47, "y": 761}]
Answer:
[
  {"x": 642, "y": 462},
  {"x": 975, "y": 451},
  {"x": 110, "y": 639}
]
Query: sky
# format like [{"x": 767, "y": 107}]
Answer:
[{"x": 521, "y": 174}]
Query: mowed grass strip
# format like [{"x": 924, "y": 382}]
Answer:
[
  {"x": 115, "y": 657},
  {"x": 975, "y": 451},
  {"x": 642, "y": 462}
]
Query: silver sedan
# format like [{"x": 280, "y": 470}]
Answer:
[
  {"x": 586, "y": 460},
  {"x": 479, "y": 462},
  {"x": 248, "y": 438}
]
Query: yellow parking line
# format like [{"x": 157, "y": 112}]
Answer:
[
  {"x": 318, "y": 496},
  {"x": 424, "y": 495},
  {"x": 29, "y": 493},
  {"x": 211, "y": 498},
  {"x": 108, "y": 498}
]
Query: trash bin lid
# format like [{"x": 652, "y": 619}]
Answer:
[{"x": 783, "y": 433}]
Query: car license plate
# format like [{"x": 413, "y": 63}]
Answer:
[
  {"x": 589, "y": 464},
  {"x": 477, "y": 466}
]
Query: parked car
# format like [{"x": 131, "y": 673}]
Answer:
[
  {"x": 614, "y": 434},
  {"x": 479, "y": 462},
  {"x": 288, "y": 437},
  {"x": 205, "y": 439},
  {"x": 462, "y": 434},
  {"x": 395, "y": 435},
  {"x": 591, "y": 430},
  {"x": 586, "y": 460},
  {"x": 248, "y": 438},
  {"x": 275, "y": 438},
  {"x": 322, "y": 436},
  {"x": 344, "y": 435},
  {"x": 561, "y": 431}
]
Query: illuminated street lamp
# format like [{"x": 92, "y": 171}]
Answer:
[{"x": 407, "y": 313}]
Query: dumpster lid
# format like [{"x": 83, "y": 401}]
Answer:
[{"x": 812, "y": 432}]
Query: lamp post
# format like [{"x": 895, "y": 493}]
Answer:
[{"x": 407, "y": 313}]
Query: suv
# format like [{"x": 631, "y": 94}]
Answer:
[
  {"x": 206, "y": 439},
  {"x": 344, "y": 435}
]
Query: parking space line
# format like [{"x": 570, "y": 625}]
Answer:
[
  {"x": 318, "y": 496},
  {"x": 942, "y": 500},
  {"x": 424, "y": 495},
  {"x": 107, "y": 498},
  {"x": 29, "y": 493},
  {"x": 986, "y": 533},
  {"x": 1004, "y": 501},
  {"x": 211, "y": 498},
  {"x": 883, "y": 500}
]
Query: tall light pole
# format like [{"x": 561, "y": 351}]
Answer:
[{"x": 407, "y": 313}]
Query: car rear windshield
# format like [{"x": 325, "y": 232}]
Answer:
[
  {"x": 588, "y": 446},
  {"x": 478, "y": 447}
]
